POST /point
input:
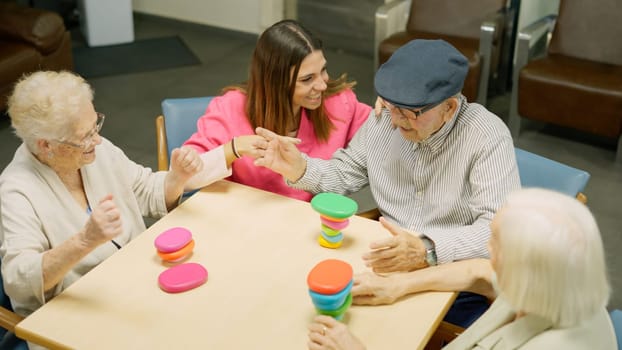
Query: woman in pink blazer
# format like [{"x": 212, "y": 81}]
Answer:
[{"x": 289, "y": 92}]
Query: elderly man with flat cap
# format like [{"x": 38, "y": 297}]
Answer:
[{"x": 438, "y": 166}]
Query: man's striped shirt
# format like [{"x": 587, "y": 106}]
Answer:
[{"x": 447, "y": 187}]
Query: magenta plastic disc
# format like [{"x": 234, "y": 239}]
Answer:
[
  {"x": 173, "y": 239},
  {"x": 182, "y": 277}
]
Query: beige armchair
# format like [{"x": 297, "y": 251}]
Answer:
[{"x": 577, "y": 84}]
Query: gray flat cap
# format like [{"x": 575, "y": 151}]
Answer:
[{"x": 420, "y": 73}]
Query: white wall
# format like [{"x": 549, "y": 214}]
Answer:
[
  {"x": 532, "y": 10},
  {"x": 249, "y": 16}
]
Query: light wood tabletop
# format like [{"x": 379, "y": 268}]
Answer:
[{"x": 258, "y": 248}]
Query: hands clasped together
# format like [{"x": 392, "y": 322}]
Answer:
[{"x": 280, "y": 154}]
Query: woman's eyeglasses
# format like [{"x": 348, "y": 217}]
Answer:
[{"x": 89, "y": 139}]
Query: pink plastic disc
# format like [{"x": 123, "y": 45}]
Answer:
[
  {"x": 336, "y": 225},
  {"x": 173, "y": 239},
  {"x": 182, "y": 277}
]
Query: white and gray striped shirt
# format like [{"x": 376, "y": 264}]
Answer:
[{"x": 447, "y": 187}]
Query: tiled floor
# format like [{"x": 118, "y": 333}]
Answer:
[{"x": 132, "y": 101}]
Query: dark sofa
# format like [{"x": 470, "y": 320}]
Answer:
[{"x": 31, "y": 39}]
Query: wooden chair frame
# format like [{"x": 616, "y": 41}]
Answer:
[
  {"x": 9, "y": 319},
  {"x": 161, "y": 144}
]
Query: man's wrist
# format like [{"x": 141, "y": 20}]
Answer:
[
  {"x": 300, "y": 174},
  {"x": 430, "y": 251}
]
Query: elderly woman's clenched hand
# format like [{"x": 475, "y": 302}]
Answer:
[
  {"x": 185, "y": 162},
  {"x": 104, "y": 223}
]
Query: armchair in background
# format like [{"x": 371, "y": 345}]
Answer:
[
  {"x": 478, "y": 29},
  {"x": 176, "y": 124},
  {"x": 578, "y": 83},
  {"x": 30, "y": 39}
]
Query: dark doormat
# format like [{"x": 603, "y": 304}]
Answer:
[{"x": 138, "y": 56}]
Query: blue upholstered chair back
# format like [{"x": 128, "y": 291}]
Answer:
[
  {"x": 538, "y": 171},
  {"x": 616, "y": 319},
  {"x": 180, "y": 118}
]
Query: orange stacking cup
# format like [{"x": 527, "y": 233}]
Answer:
[{"x": 330, "y": 282}]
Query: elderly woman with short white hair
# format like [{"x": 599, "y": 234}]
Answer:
[
  {"x": 546, "y": 269},
  {"x": 69, "y": 199}
]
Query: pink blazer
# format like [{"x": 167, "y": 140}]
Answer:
[{"x": 225, "y": 118}]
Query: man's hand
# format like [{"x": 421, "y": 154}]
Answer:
[
  {"x": 280, "y": 154},
  {"x": 400, "y": 253},
  {"x": 372, "y": 289}
]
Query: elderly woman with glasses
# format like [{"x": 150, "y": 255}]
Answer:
[
  {"x": 69, "y": 199},
  {"x": 546, "y": 270}
]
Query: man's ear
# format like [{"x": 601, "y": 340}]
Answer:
[
  {"x": 454, "y": 102},
  {"x": 451, "y": 104}
]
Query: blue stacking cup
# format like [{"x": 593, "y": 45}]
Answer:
[
  {"x": 329, "y": 302},
  {"x": 332, "y": 239}
]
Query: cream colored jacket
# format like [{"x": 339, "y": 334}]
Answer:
[
  {"x": 492, "y": 331},
  {"x": 37, "y": 213}
]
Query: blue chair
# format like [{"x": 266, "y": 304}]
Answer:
[
  {"x": 176, "y": 124},
  {"x": 538, "y": 171},
  {"x": 616, "y": 319}
]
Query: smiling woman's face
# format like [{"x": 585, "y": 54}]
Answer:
[
  {"x": 69, "y": 156},
  {"x": 310, "y": 82}
]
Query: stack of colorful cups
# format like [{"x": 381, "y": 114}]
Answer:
[
  {"x": 330, "y": 282},
  {"x": 335, "y": 211}
]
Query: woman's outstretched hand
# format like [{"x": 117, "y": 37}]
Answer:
[{"x": 280, "y": 154}]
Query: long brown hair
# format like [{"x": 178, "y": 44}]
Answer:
[{"x": 270, "y": 86}]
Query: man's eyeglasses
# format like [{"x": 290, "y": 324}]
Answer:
[
  {"x": 89, "y": 139},
  {"x": 416, "y": 113}
]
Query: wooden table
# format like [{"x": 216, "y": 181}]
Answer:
[{"x": 258, "y": 248}]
